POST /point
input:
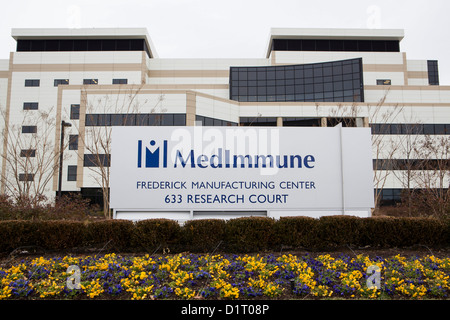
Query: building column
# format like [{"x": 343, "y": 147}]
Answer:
[
  {"x": 279, "y": 121},
  {"x": 190, "y": 108},
  {"x": 366, "y": 122}
]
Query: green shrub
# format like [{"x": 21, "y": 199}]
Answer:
[
  {"x": 46, "y": 235},
  {"x": 203, "y": 235},
  {"x": 379, "y": 232},
  {"x": 59, "y": 235},
  {"x": 110, "y": 234},
  {"x": 155, "y": 234},
  {"x": 339, "y": 230},
  {"x": 15, "y": 234},
  {"x": 403, "y": 232},
  {"x": 6, "y": 208},
  {"x": 426, "y": 231},
  {"x": 241, "y": 235},
  {"x": 447, "y": 232},
  {"x": 249, "y": 234},
  {"x": 69, "y": 207},
  {"x": 296, "y": 232}
]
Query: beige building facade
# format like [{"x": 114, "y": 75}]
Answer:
[{"x": 95, "y": 79}]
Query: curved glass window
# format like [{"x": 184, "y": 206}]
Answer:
[{"x": 336, "y": 81}]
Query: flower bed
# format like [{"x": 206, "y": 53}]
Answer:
[{"x": 203, "y": 276}]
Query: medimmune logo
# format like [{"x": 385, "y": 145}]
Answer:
[{"x": 153, "y": 155}]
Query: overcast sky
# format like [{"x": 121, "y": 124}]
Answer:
[{"x": 237, "y": 28}]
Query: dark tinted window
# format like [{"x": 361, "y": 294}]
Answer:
[
  {"x": 75, "y": 111},
  {"x": 28, "y": 153},
  {"x": 409, "y": 164},
  {"x": 26, "y": 176},
  {"x": 83, "y": 45},
  {"x": 52, "y": 45},
  {"x": 383, "y": 82},
  {"x": 120, "y": 81},
  {"x": 439, "y": 129},
  {"x": 37, "y": 45},
  {"x": 32, "y": 83},
  {"x": 29, "y": 129},
  {"x": 71, "y": 173},
  {"x": 95, "y": 45},
  {"x": 136, "y": 44},
  {"x": 80, "y": 45},
  {"x": 73, "y": 142},
  {"x": 258, "y": 121},
  {"x": 301, "y": 122},
  {"x": 123, "y": 45},
  {"x": 433, "y": 73},
  {"x": 428, "y": 129},
  {"x": 23, "y": 45},
  {"x": 66, "y": 45},
  {"x": 90, "y": 81},
  {"x": 30, "y": 106},
  {"x": 130, "y": 119},
  {"x": 97, "y": 160},
  {"x": 335, "y": 45},
  {"x": 58, "y": 82},
  {"x": 179, "y": 119},
  {"x": 109, "y": 45},
  {"x": 411, "y": 128},
  {"x": 331, "y": 81},
  {"x": 207, "y": 121}
]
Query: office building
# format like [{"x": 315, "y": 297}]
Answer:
[{"x": 95, "y": 79}]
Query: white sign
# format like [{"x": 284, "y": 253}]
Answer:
[{"x": 161, "y": 171}]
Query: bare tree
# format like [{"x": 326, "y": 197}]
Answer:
[
  {"x": 121, "y": 108},
  {"x": 384, "y": 147},
  {"x": 30, "y": 157},
  {"x": 405, "y": 168},
  {"x": 433, "y": 178}
]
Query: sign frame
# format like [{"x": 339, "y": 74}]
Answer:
[{"x": 333, "y": 165}]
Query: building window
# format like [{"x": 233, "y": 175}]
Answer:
[
  {"x": 428, "y": 128},
  {"x": 74, "y": 111},
  {"x": 335, "y": 45},
  {"x": 207, "y": 121},
  {"x": 73, "y": 142},
  {"x": 389, "y": 196},
  {"x": 258, "y": 121},
  {"x": 335, "y": 81},
  {"x": 28, "y": 153},
  {"x": 71, "y": 173},
  {"x": 95, "y": 196},
  {"x": 29, "y": 129},
  {"x": 120, "y": 81},
  {"x": 30, "y": 105},
  {"x": 132, "y": 119},
  {"x": 90, "y": 81},
  {"x": 301, "y": 122},
  {"x": 97, "y": 160},
  {"x": 27, "y": 177},
  {"x": 179, "y": 119},
  {"x": 83, "y": 45},
  {"x": 433, "y": 72},
  {"x": 410, "y": 164},
  {"x": 383, "y": 82},
  {"x": 58, "y": 82},
  {"x": 441, "y": 129},
  {"x": 411, "y": 128},
  {"x": 32, "y": 82}
]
